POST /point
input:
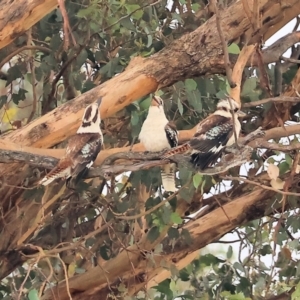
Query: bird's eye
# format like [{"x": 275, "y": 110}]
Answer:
[{"x": 236, "y": 109}]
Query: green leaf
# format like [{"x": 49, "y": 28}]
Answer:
[
  {"x": 88, "y": 85},
  {"x": 288, "y": 159},
  {"x": 180, "y": 106},
  {"x": 138, "y": 12},
  {"x": 173, "y": 233},
  {"x": 175, "y": 218},
  {"x": 166, "y": 214},
  {"x": 229, "y": 252},
  {"x": 3, "y": 100},
  {"x": 134, "y": 118},
  {"x": 194, "y": 98},
  {"x": 80, "y": 270},
  {"x": 209, "y": 260},
  {"x": 195, "y": 7},
  {"x": 149, "y": 36},
  {"x": 249, "y": 86},
  {"x": 296, "y": 293},
  {"x": 105, "y": 252},
  {"x": 153, "y": 234},
  {"x": 55, "y": 42},
  {"x": 266, "y": 249},
  {"x": 38, "y": 73},
  {"x": 186, "y": 236},
  {"x": 13, "y": 73},
  {"x": 283, "y": 167},
  {"x": 184, "y": 275},
  {"x": 164, "y": 288},
  {"x": 81, "y": 58},
  {"x": 239, "y": 266},
  {"x": 127, "y": 23},
  {"x": 33, "y": 295},
  {"x": 190, "y": 85},
  {"x": 234, "y": 49},
  {"x": 21, "y": 94},
  {"x": 197, "y": 179}
]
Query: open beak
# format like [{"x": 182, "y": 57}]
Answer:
[
  {"x": 155, "y": 101},
  {"x": 99, "y": 101},
  {"x": 241, "y": 114}
]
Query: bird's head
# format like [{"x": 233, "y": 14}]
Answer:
[
  {"x": 230, "y": 106},
  {"x": 91, "y": 118}
]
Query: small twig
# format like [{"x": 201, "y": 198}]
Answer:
[
  {"x": 291, "y": 60},
  {"x": 289, "y": 180},
  {"x": 149, "y": 211},
  {"x": 66, "y": 25},
  {"x": 297, "y": 24},
  {"x": 260, "y": 143},
  {"x": 16, "y": 52},
  {"x": 280, "y": 99},
  {"x": 24, "y": 281},
  {"x": 260, "y": 185},
  {"x": 34, "y": 102},
  {"x": 233, "y": 124},
  {"x": 224, "y": 46}
]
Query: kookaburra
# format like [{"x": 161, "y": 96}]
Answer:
[
  {"x": 82, "y": 149},
  {"x": 157, "y": 134},
  {"x": 213, "y": 134}
]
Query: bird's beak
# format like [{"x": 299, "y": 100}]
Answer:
[
  {"x": 155, "y": 101},
  {"x": 241, "y": 114},
  {"x": 99, "y": 101}
]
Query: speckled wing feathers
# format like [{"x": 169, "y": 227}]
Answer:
[
  {"x": 210, "y": 139},
  {"x": 81, "y": 152},
  {"x": 172, "y": 134}
]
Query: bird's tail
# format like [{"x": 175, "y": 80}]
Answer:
[
  {"x": 177, "y": 150},
  {"x": 57, "y": 172},
  {"x": 168, "y": 177}
]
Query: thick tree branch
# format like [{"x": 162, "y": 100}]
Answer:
[
  {"x": 238, "y": 70},
  {"x": 280, "y": 99},
  {"x": 15, "y": 20}
]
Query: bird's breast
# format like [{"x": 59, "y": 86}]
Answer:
[{"x": 153, "y": 135}]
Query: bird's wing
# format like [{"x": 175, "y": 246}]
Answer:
[
  {"x": 212, "y": 132},
  {"x": 83, "y": 150},
  {"x": 172, "y": 134}
]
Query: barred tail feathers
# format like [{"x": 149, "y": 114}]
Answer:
[
  {"x": 177, "y": 150},
  {"x": 55, "y": 173},
  {"x": 168, "y": 177}
]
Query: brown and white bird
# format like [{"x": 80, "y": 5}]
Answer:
[
  {"x": 157, "y": 134},
  {"x": 82, "y": 149},
  {"x": 213, "y": 135}
]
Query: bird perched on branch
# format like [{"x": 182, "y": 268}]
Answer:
[
  {"x": 213, "y": 134},
  {"x": 157, "y": 134},
  {"x": 82, "y": 149}
]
